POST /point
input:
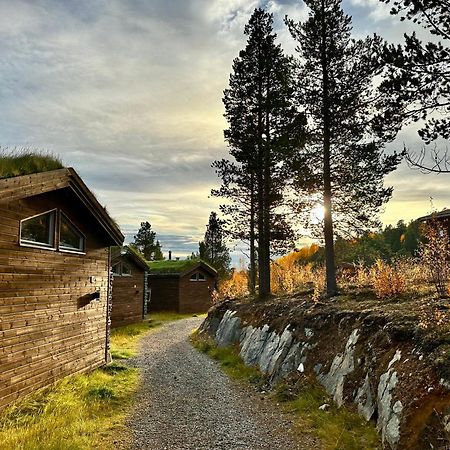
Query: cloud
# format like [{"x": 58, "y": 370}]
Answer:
[{"x": 129, "y": 92}]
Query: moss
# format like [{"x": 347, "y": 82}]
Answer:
[
  {"x": 26, "y": 162},
  {"x": 170, "y": 266}
]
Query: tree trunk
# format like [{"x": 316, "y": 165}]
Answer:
[
  {"x": 327, "y": 192},
  {"x": 262, "y": 268},
  {"x": 252, "y": 278}
]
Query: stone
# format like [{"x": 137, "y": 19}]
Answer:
[
  {"x": 229, "y": 329},
  {"x": 364, "y": 400},
  {"x": 389, "y": 413},
  {"x": 252, "y": 344},
  {"x": 342, "y": 365}
]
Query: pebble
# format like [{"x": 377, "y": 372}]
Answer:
[{"x": 186, "y": 402}]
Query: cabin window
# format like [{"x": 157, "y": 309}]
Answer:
[
  {"x": 116, "y": 269},
  {"x": 39, "y": 230},
  {"x": 70, "y": 238},
  {"x": 121, "y": 269},
  {"x": 197, "y": 276},
  {"x": 126, "y": 270}
]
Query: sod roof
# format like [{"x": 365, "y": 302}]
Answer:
[
  {"x": 27, "y": 163},
  {"x": 177, "y": 267}
]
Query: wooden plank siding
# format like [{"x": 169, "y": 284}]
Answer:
[
  {"x": 128, "y": 296},
  {"x": 195, "y": 296},
  {"x": 49, "y": 326},
  {"x": 164, "y": 293}
]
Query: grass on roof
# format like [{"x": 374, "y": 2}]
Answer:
[
  {"x": 14, "y": 163},
  {"x": 171, "y": 266}
]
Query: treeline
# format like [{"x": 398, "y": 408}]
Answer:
[
  {"x": 310, "y": 130},
  {"x": 389, "y": 245}
]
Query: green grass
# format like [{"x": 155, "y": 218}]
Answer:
[
  {"x": 81, "y": 412},
  {"x": 171, "y": 266},
  {"x": 25, "y": 162},
  {"x": 337, "y": 429},
  {"x": 125, "y": 340},
  {"x": 228, "y": 358}
]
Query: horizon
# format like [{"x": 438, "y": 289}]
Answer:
[{"x": 130, "y": 95}]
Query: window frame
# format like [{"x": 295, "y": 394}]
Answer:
[
  {"x": 40, "y": 245},
  {"x": 120, "y": 273},
  {"x": 83, "y": 236},
  {"x": 195, "y": 277}
]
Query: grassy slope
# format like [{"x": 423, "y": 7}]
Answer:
[
  {"x": 80, "y": 412},
  {"x": 337, "y": 429},
  {"x": 27, "y": 162}
]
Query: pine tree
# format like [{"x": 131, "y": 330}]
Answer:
[
  {"x": 335, "y": 89},
  {"x": 145, "y": 243},
  {"x": 213, "y": 249},
  {"x": 264, "y": 128},
  {"x": 417, "y": 80}
]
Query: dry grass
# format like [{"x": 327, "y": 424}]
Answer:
[{"x": 289, "y": 275}]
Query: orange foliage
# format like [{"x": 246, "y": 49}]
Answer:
[{"x": 236, "y": 286}]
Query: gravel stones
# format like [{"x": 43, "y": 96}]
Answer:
[{"x": 186, "y": 402}]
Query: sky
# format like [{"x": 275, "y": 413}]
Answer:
[{"x": 129, "y": 93}]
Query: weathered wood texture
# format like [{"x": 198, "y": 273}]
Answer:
[
  {"x": 195, "y": 296},
  {"x": 128, "y": 296},
  {"x": 164, "y": 293},
  {"x": 178, "y": 293},
  {"x": 50, "y": 326}
]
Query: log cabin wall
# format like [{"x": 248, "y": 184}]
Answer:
[
  {"x": 50, "y": 326},
  {"x": 128, "y": 295},
  {"x": 195, "y": 296},
  {"x": 164, "y": 293}
]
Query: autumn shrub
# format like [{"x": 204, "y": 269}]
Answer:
[
  {"x": 435, "y": 255},
  {"x": 235, "y": 286},
  {"x": 387, "y": 279}
]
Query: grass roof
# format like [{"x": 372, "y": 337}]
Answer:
[
  {"x": 174, "y": 266},
  {"x": 26, "y": 162},
  {"x": 171, "y": 266}
]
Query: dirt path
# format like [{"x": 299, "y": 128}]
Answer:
[{"x": 186, "y": 402}]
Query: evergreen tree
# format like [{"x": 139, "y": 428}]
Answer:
[
  {"x": 264, "y": 129},
  {"x": 417, "y": 80},
  {"x": 144, "y": 241},
  {"x": 213, "y": 249},
  {"x": 335, "y": 89}
]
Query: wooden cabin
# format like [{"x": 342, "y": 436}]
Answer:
[
  {"x": 129, "y": 296},
  {"x": 54, "y": 280},
  {"x": 181, "y": 286},
  {"x": 442, "y": 217}
]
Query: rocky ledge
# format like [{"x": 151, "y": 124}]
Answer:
[{"x": 389, "y": 367}]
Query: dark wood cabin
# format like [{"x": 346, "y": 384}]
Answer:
[
  {"x": 181, "y": 286},
  {"x": 442, "y": 217},
  {"x": 54, "y": 280},
  {"x": 129, "y": 297}
]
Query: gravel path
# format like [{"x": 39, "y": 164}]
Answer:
[{"x": 186, "y": 402}]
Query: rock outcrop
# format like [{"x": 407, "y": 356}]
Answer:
[{"x": 360, "y": 358}]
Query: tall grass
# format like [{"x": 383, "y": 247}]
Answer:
[
  {"x": 18, "y": 162},
  {"x": 77, "y": 413}
]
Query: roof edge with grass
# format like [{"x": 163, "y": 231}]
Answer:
[
  {"x": 177, "y": 267},
  {"x": 27, "y": 162}
]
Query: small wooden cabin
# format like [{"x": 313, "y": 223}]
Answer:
[
  {"x": 54, "y": 280},
  {"x": 129, "y": 297},
  {"x": 181, "y": 286},
  {"x": 443, "y": 217}
]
